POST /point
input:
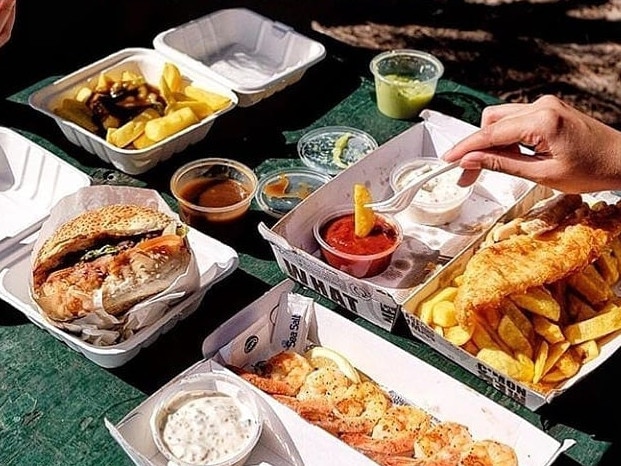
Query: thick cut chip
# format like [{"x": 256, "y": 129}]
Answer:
[
  {"x": 215, "y": 101},
  {"x": 540, "y": 360},
  {"x": 485, "y": 337},
  {"x": 143, "y": 141},
  {"x": 78, "y": 113},
  {"x": 554, "y": 376},
  {"x": 513, "y": 337},
  {"x": 364, "y": 218},
  {"x": 568, "y": 363},
  {"x": 457, "y": 335},
  {"x": 519, "y": 319},
  {"x": 587, "y": 350},
  {"x": 608, "y": 268},
  {"x": 131, "y": 130},
  {"x": 162, "y": 127},
  {"x": 608, "y": 320},
  {"x": 527, "y": 368},
  {"x": 166, "y": 92},
  {"x": 538, "y": 300},
  {"x": 579, "y": 309},
  {"x": 172, "y": 76},
  {"x": 590, "y": 285},
  {"x": 201, "y": 109},
  {"x": 444, "y": 314},
  {"x": 555, "y": 351},
  {"x": 548, "y": 330},
  {"x": 506, "y": 364}
]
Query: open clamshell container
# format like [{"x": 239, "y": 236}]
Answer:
[
  {"x": 150, "y": 64},
  {"x": 234, "y": 52},
  {"x": 33, "y": 181},
  {"x": 252, "y": 55},
  {"x": 288, "y": 439}
]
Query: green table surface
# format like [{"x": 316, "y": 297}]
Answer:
[{"x": 53, "y": 400}]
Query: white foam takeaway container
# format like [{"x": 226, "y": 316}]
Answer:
[
  {"x": 148, "y": 63},
  {"x": 247, "y": 52}
]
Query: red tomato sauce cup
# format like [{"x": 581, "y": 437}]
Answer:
[{"x": 359, "y": 257}]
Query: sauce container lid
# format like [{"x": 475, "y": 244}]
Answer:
[
  {"x": 332, "y": 149},
  {"x": 281, "y": 190}
]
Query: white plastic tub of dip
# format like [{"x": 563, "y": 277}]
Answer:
[
  {"x": 440, "y": 200},
  {"x": 208, "y": 419}
]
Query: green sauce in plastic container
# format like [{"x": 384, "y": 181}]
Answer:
[{"x": 402, "y": 97}]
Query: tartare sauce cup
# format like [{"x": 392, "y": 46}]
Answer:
[
  {"x": 440, "y": 201},
  {"x": 176, "y": 396}
]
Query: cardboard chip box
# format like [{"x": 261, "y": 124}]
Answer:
[
  {"x": 520, "y": 392},
  {"x": 288, "y": 439},
  {"x": 380, "y": 299}
]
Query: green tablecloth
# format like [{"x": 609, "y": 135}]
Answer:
[{"x": 53, "y": 400}]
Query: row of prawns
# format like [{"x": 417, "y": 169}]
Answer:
[{"x": 363, "y": 415}]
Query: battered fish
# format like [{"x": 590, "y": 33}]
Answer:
[{"x": 523, "y": 261}]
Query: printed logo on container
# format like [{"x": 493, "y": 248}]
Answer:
[
  {"x": 419, "y": 329},
  {"x": 250, "y": 343},
  {"x": 502, "y": 383}
]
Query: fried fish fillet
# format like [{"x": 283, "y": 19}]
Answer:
[{"x": 522, "y": 261}]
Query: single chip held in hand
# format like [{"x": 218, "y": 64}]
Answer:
[{"x": 364, "y": 218}]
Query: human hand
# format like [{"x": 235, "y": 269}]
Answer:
[
  {"x": 573, "y": 152},
  {"x": 7, "y": 20}
]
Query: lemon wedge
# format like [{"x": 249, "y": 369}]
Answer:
[
  {"x": 364, "y": 218},
  {"x": 337, "y": 152},
  {"x": 320, "y": 356}
]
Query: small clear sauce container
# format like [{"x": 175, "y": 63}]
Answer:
[
  {"x": 213, "y": 190},
  {"x": 280, "y": 191},
  {"x": 438, "y": 202},
  {"x": 332, "y": 149}
]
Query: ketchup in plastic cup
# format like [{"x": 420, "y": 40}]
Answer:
[{"x": 359, "y": 257}]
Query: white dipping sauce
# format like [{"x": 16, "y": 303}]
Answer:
[
  {"x": 206, "y": 427},
  {"x": 439, "y": 200}
]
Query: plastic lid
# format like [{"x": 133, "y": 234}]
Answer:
[
  {"x": 281, "y": 190},
  {"x": 333, "y": 148}
]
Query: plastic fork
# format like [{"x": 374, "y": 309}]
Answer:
[{"x": 401, "y": 199}]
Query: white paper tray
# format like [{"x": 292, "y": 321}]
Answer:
[
  {"x": 148, "y": 63},
  {"x": 245, "y": 51},
  {"x": 215, "y": 261},
  {"x": 288, "y": 439},
  {"x": 379, "y": 299}
]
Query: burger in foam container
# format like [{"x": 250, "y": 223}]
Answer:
[{"x": 110, "y": 261}]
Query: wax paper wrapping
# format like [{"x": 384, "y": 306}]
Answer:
[{"x": 98, "y": 327}]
